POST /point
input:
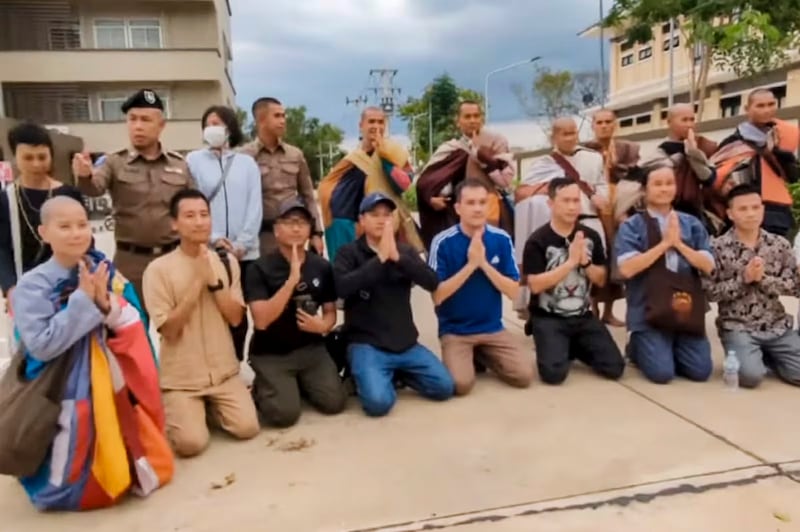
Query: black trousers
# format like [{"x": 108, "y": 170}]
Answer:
[
  {"x": 559, "y": 341},
  {"x": 239, "y": 333}
]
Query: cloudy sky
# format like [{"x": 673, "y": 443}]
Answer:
[{"x": 317, "y": 53}]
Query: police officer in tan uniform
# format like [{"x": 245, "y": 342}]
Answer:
[
  {"x": 284, "y": 171},
  {"x": 141, "y": 180}
]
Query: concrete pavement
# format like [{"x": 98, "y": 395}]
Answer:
[{"x": 590, "y": 455}]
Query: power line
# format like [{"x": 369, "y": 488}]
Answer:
[{"x": 385, "y": 91}]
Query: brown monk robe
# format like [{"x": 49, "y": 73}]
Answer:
[
  {"x": 688, "y": 154},
  {"x": 476, "y": 154},
  {"x": 619, "y": 156}
]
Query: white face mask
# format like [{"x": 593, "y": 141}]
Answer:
[{"x": 215, "y": 136}]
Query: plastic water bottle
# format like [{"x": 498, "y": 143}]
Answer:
[{"x": 730, "y": 371}]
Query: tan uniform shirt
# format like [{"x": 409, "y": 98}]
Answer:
[
  {"x": 140, "y": 191},
  {"x": 284, "y": 175},
  {"x": 203, "y": 355}
]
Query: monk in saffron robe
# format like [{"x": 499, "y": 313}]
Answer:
[
  {"x": 761, "y": 152},
  {"x": 476, "y": 154},
  {"x": 619, "y": 156},
  {"x": 377, "y": 165}
]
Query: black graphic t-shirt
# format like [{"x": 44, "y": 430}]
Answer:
[
  {"x": 545, "y": 251},
  {"x": 265, "y": 277}
]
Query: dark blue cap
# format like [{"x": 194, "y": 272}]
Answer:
[
  {"x": 294, "y": 204},
  {"x": 373, "y": 200}
]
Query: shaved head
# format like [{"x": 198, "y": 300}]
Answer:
[
  {"x": 604, "y": 124},
  {"x": 563, "y": 123},
  {"x": 760, "y": 93},
  {"x": 57, "y": 205},
  {"x": 762, "y": 107},
  {"x": 65, "y": 226},
  {"x": 679, "y": 109},
  {"x": 371, "y": 110}
]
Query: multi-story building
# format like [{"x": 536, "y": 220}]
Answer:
[
  {"x": 639, "y": 80},
  {"x": 69, "y": 64}
]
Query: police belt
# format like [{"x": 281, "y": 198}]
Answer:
[
  {"x": 267, "y": 226},
  {"x": 146, "y": 250}
]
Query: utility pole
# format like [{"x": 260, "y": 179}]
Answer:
[
  {"x": 385, "y": 91},
  {"x": 321, "y": 155}
]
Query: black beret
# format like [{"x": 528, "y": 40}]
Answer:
[{"x": 145, "y": 98}]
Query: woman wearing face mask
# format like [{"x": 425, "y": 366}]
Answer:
[{"x": 232, "y": 183}]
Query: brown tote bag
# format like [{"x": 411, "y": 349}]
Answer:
[
  {"x": 674, "y": 302},
  {"x": 29, "y": 411}
]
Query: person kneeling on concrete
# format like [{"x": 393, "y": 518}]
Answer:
[
  {"x": 194, "y": 296},
  {"x": 662, "y": 253},
  {"x": 286, "y": 289},
  {"x": 562, "y": 260},
  {"x": 753, "y": 269},
  {"x": 374, "y": 276},
  {"x": 476, "y": 267}
]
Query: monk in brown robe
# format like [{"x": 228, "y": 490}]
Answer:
[
  {"x": 476, "y": 154},
  {"x": 688, "y": 154},
  {"x": 619, "y": 156}
]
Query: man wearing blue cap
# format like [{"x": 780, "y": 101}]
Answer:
[
  {"x": 374, "y": 276},
  {"x": 141, "y": 180}
]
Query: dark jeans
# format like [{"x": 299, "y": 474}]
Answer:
[
  {"x": 560, "y": 340},
  {"x": 661, "y": 356},
  {"x": 280, "y": 380},
  {"x": 239, "y": 333}
]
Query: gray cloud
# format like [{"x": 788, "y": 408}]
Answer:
[{"x": 318, "y": 52}]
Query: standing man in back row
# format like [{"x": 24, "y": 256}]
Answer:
[
  {"x": 284, "y": 172},
  {"x": 141, "y": 181}
]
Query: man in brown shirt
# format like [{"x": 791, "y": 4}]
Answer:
[
  {"x": 284, "y": 171},
  {"x": 194, "y": 295},
  {"x": 140, "y": 180}
]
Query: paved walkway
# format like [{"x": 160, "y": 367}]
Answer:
[{"x": 587, "y": 456}]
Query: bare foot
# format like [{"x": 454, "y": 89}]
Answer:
[{"x": 612, "y": 320}]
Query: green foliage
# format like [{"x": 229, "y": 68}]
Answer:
[
  {"x": 558, "y": 93},
  {"x": 794, "y": 189},
  {"x": 317, "y": 140},
  {"x": 746, "y": 37},
  {"x": 441, "y": 97},
  {"x": 410, "y": 198},
  {"x": 244, "y": 121}
]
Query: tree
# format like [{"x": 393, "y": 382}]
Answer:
[
  {"x": 555, "y": 94},
  {"x": 319, "y": 141},
  {"x": 441, "y": 97},
  {"x": 243, "y": 117},
  {"x": 746, "y": 37}
]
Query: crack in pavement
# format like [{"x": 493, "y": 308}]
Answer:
[{"x": 622, "y": 501}]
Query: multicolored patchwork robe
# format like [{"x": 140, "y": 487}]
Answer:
[
  {"x": 111, "y": 435},
  {"x": 385, "y": 170}
]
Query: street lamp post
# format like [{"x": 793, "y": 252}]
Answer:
[{"x": 497, "y": 70}]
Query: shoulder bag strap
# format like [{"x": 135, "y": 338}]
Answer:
[
  {"x": 572, "y": 173},
  {"x": 222, "y": 179},
  {"x": 16, "y": 234}
]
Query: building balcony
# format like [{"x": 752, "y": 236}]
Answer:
[{"x": 99, "y": 65}]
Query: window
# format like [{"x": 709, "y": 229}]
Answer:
[
  {"x": 676, "y": 42},
  {"x": 663, "y": 115},
  {"x": 665, "y": 27},
  {"x": 110, "y": 109},
  {"x": 109, "y": 34},
  {"x": 64, "y": 36},
  {"x": 645, "y": 53},
  {"x": 626, "y": 122},
  {"x": 730, "y": 106},
  {"x": 780, "y": 94},
  {"x": 627, "y": 45},
  {"x": 643, "y": 119},
  {"x": 74, "y": 109},
  {"x": 627, "y": 60},
  {"x": 143, "y": 33}
]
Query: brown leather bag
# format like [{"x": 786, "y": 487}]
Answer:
[
  {"x": 674, "y": 302},
  {"x": 29, "y": 411}
]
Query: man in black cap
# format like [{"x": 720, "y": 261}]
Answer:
[
  {"x": 293, "y": 301},
  {"x": 374, "y": 276},
  {"x": 141, "y": 180}
]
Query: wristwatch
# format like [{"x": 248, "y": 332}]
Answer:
[{"x": 216, "y": 287}]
